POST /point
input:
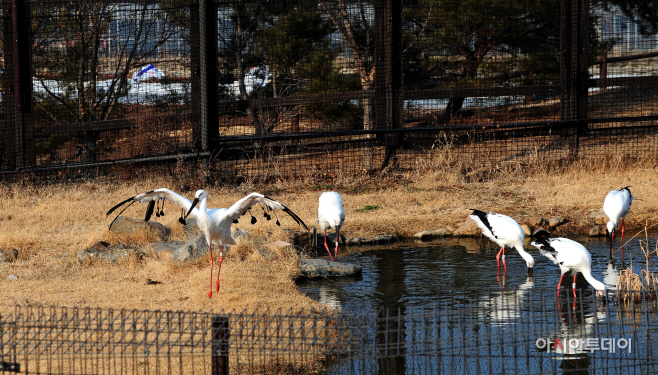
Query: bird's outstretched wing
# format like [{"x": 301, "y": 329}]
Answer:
[
  {"x": 268, "y": 204},
  {"x": 151, "y": 197}
]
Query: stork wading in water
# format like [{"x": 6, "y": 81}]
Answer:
[
  {"x": 504, "y": 231},
  {"x": 569, "y": 255},
  {"x": 331, "y": 215},
  {"x": 215, "y": 223},
  {"x": 616, "y": 206}
]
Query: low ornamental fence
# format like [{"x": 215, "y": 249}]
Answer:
[{"x": 462, "y": 331}]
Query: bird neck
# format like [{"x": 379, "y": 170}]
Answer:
[
  {"x": 203, "y": 206},
  {"x": 528, "y": 258},
  {"x": 596, "y": 284},
  {"x": 611, "y": 226}
]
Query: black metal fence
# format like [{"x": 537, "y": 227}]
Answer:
[
  {"x": 236, "y": 90},
  {"x": 525, "y": 331}
]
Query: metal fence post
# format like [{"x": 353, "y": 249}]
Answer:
[
  {"x": 19, "y": 132},
  {"x": 220, "y": 338},
  {"x": 388, "y": 72},
  {"x": 574, "y": 66},
  {"x": 203, "y": 56}
]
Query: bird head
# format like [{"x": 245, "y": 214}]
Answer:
[
  {"x": 611, "y": 227},
  {"x": 199, "y": 196}
]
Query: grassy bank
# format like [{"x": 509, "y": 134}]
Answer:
[{"x": 48, "y": 225}]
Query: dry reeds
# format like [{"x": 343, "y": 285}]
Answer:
[{"x": 633, "y": 287}]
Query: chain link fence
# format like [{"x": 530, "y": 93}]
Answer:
[{"x": 249, "y": 90}]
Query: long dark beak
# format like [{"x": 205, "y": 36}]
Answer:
[
  {"x": 529, "y": 271},
  {"x": 194, "y": 203}
]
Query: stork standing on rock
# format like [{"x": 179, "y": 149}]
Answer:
[{"x": 331, "y": 215}]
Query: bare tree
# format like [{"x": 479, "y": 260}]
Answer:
[
  {"x": 354, "y": 22},
  {"x": 76, "y": 45}
]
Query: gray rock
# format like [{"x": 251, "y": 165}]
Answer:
[
  {"x": 383, "y": 238},
  {"x": 535, "y": 221},
  {"x": 526, "y": 229},
  {"x": 379, "y": 239},
  {"x": 164, "y": 251},
  {"x": 598, "y": 230},
  {"x": 191, "y": 250},
  {"x": 191, "y": 229},
  {"x": 556, "y": 221},
  {"x": 2, "y": 257},
  {"x": 467, "y": 228},
  {"x": 318, "y": 268},
  {"x": 353, "y": 241},
  {"x": 127, "y": 226},
  {"x": 114, "y": 253},
  {"x": 12, "y": 277},
  {"x": 429, "y": 234},
  {"x": 238, "y": 233},
  {"x": 331, "y": 238},
  {"x": 598, "y": 217}
]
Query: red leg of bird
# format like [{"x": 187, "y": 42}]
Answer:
[
  {"x": 211, "y": 266},
  {"x": 502, "y": 249},
  {"x": 558, "y": 286},
  {"x": 622, "y": 239},
  {"x": 573, "y": 286},
  {"x": 337, "y": 239},
  {"x": 504, "y": 263},
  {"x": 221, "y": 258},
  {"x": 327, "y": 246}
]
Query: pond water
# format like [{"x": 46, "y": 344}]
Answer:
[
  {"x": 408, "y": 275},
  {"x": 412, "y": 277}
]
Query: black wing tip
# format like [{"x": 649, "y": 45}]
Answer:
[
  {"x": 149, "y": 210},
  {"x": 118, "y": 205},
  {"x": 295, "y": 217}
]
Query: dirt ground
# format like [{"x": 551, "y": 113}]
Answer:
[{"x": 48, "y": 225}]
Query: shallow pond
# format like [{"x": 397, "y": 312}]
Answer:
[
  {"x": 412, "y": 278},
  {"x": 408, "y": 275}
]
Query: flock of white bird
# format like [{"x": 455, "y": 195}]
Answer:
[
  {"x": 569, "y": 255},
  {"x": 216, "y": 224}
]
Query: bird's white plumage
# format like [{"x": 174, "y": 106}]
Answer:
[
  {"x": 169, "y": 195},
  {"x": 330, "y": 211},
  {"x": 215, "y": 223},
  {"x": 616, "y": 206},
  {"x": 331, "y": 215},
  {"x": 505, "y": 232},
  {"x": 570, "y": 255}
]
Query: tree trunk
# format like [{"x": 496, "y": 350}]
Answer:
[{"x": 368, "y": 124}]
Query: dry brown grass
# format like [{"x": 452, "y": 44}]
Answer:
[
  {"x": 49, "y": 224},
  {"x": 633, "y": 287}
]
